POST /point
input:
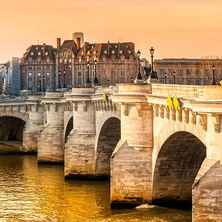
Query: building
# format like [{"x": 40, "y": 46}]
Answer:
[
  {"x": 38, "y": 68},
  {"x": 3, "y": 74},
  {"x": 12, "y": 79},
  {"x": 65, "y": 57},
  {"x": 76, "y": 63},
  {"x": 110, "y": 63},
  {"x": 189, "y": 71}
]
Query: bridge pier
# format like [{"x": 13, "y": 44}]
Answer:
[
  {"x": 131, "y": 163},
  {"x": 33, "y": 129},
  {"x": 51, "y": 140},
  {"x": 80, "y": 147}
]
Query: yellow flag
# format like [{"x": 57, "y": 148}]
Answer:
[
  {"x": 176, "y": 103},
  {"x": 169, "y": 103}
]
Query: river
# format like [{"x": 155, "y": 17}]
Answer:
[{"x": 38, "y": 193}]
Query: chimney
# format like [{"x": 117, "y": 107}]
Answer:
[
  {"x": 78, "y": 37},
  {"x": 58, "y": 40}
]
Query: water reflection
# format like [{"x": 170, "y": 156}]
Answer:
[{"x": 29, "y": 192}]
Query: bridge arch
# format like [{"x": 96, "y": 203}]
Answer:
[
  {"x": 176, "y": 165},
  {"x": 107, "y": 139},
  {"x": 12, "y": 128},
  {"x": 18, "y": 115}
]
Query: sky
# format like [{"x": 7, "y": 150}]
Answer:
[{"x": 176, "y": 28}]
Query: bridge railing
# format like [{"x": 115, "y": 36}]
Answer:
[{"x": 209, "y": 92}]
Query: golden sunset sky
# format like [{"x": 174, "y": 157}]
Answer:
[{"x": 176, "y": 28}]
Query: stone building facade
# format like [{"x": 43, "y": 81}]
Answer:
[
  {"x": 76, "y": 63},
  {"x": 38, "y": 68},
  {"x": 189, "y": 71}
]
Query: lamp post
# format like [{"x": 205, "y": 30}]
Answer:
[
  {"x": 139, "y": 77},
  {"x": 165, "y": 78},
  {"x": 152, "y": 50},
  {"x": 174, "y": 77},
  {"x": 153, "y": 73},
  {"x": 48, "y": 82},
  {"x": 95, "y": 81},
  {"x": 88, "y": 82},
  {"x": 213, "y": 79}
]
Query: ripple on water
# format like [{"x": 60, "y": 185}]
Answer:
[{"x": 33, "y": 193}]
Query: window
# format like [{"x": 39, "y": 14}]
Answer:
[{"x": 188, "y": 71}]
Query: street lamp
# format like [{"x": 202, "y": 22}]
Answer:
[
  {"x": 153, "y": 74},
  {"x": 96, "y": 81},
  {"x": 139, "y": 77},
  {"x": 152, "y": 50},
  {"x": 213, "y": 79},
  {"x": 174, "y": 77},
  {"x": 165, "y": 78},
  {"x": 88, "y": 82}
]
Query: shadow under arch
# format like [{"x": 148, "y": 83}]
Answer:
[
  {"x": 69, "y": 128},
  {"x": 109, "y": 136},
  {"x": 11, "y": 128},
  {"x": 176, "y": 167}
]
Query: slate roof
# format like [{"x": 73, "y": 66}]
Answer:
[
  {"x": 108, "y": 50},
  {"x": 44, "y": 51}
]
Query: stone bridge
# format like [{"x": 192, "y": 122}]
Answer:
[{"x": 158, "y": 143}]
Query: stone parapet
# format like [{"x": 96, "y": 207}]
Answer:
[{"x": 188, "y": 91}]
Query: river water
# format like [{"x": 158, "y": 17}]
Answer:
[{"x": 39, "y": 193}]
